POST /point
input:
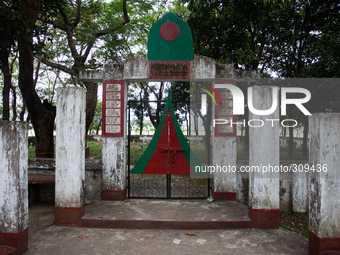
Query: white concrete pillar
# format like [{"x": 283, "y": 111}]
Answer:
[
  {"x": 324, "y": 174},
  {"x": 225, "y": 157},
  {"x": 114, "y": 140},
  {"x": 114, "y": 168},
  {"x": 286, "y": 191},
  {"x": 242, "y": 186},
  {"x": 264, "y": 200},
  {"x": 70, "y": 155},
  {"x": 14, "y": 185},
  {"x": 300, "y": 191}
]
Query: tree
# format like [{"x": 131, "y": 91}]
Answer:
[
  {"x": 289, "y": 37},
  {"x": 77, "y": 24},
  {"x": 42, "y": 114},
  {"x": 81, "y": 29},
  {"x": 297, "y": 47},
  {"x": 11, "y": 27},
  {"x": 97, "y": 119},
  {"x": 180, "y": 94},
  {"x": 234, "y": 31}
]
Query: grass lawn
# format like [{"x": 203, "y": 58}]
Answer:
[
  {"x": 138, "y": 149},
  {"x": 95, "y": 150},
  {"x": 296, "y": 222}
]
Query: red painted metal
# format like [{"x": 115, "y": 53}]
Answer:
[
  {"x": 18, "y": 241},
  {"x": 87, "y": 152},
  {"x": 223, "y": 196},
  {"x": 319, "y": 245},
  {"x": 264, "y": 219},
  {"x": 113, "y": 195},
  {"x": 69, "y": 216},
  {"x": 40, "y": 182},
  {"x": 168, "y": 157},
  {"x": 169, "y": 31}
]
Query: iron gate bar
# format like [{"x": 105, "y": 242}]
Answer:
[
  {"x": 168, "y": 176},
  {"x": 154, "y": 186},
  {"x": 128, "y": 147}
]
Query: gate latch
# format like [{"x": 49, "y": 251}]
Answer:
[{"x": 173, "y": 152}]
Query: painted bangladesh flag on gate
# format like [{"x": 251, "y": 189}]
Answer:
[{"x": 168, "y": 151}]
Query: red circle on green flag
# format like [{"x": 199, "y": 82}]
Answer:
[{"x": 169, "y": 31}]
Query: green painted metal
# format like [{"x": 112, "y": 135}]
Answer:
[
  {"x": 178, "y": 50},
  {"x": 144, "y": 160},
  {"x": 189, "y": 154}
]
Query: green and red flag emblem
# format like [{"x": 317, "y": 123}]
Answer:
[{"x": 168, "y": 151}]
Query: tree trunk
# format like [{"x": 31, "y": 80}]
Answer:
[
  {"x": 246, "y": 135},
  {"x": 14, "y": 103},
  {"x": 290, "y": 134},
  {"x": 196, "y": 124},
  {"x": 23, "y": 111},
  {"x": 42, "y": 114},
  {"x": 98, "y": 127},
  {"x": 207, "y": 124},
  {"x": 290, "y": 142},
  {"x": 141, "y": 125},
  {"x": 4, "y": 54},
  {"x": 305, "y": 138},
  {"x": 142, "y": 115},
  {"x": 91, "y": 102}
]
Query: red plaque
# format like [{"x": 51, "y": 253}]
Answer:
[
  {"x": 170, "y": 69},
  {"x": 113, "y": 108}
]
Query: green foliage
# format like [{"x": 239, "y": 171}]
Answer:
[
  {"x": 233, "y": 31},
  {"x": 97, "y": 119},
  {"x": 180, "y": 91},
  {"x": 135, "y": 125},
  {"x": 11, "y": 26},
  {"x": 95, "y": 149},
  {"x": 115, "y": 47},
  {"x": 291, "y": 38}
]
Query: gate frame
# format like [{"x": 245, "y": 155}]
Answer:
[
  {"x": 137, "y": 69},
  {"x": 168, "y": 178}
]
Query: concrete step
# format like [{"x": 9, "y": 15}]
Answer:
[{"x": 166, "y": 214}]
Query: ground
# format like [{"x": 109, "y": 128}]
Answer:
[{"x": 46, "y": 238}]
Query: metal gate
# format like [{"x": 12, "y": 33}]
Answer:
[{"x": 167, "y": 159}]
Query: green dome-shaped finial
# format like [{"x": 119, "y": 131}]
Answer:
[{"x": 170, "y": 39}]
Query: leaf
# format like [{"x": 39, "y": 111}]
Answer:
[
  {"x": 176, "y": 241},
  {"x": 83, "y": 237},
  {"x": 190, "y": 234}
]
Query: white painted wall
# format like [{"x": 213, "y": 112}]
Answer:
[
  {"x": 114, "y": 167},
  {"x": 324, "y": 204},
  {"x": 13, "y": 177},
  {"x": 70, "y": 147},
  {"x": 264, "y": 150},
  {"x": 300, "y": 191},
  {"x": 225, "y": 154}
]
